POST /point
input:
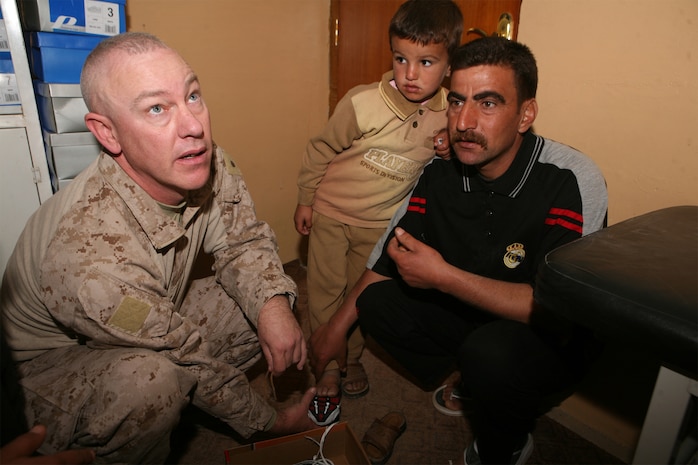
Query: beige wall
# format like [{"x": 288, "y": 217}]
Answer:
[
  {"x": 618, "y": 80},
  {"x": 264, "y": 68}
]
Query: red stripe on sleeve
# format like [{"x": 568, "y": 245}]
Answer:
[
  {"x": 417, "y": 204},
  {"x": 573, "y": 215},
  {"x": 564, "y": 223}
]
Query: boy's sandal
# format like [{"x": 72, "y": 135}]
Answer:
[
  {"x": 324, "y": 410},
  {"x": 380, "y": 438},
  {"x": 440, "y": 402},
  {"x": 355, "y": 372}
]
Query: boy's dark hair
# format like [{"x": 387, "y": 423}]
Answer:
[
  {"x": 498, "y": 51},
  {"x": 428, "y": 22}
]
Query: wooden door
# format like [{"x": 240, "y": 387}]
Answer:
[{"x": 359, "y": 47}]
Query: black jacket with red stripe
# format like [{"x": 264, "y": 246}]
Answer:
[{"x": 502, "y": 229}]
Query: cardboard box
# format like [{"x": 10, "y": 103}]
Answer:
[
  {"x": 4, "y": 41},
  {"x": 340, "y": 446},
  {"x": 68, "y": 154},
  {"x": 9, "y": 92},
  {"x": 62, "y": 184},
  {"x": 61, "y": 107},
  {"x": 58, "y": 58},
  {"x": 98, "y": 17}
]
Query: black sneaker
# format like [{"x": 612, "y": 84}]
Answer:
[{"x": 472, "y": 457}]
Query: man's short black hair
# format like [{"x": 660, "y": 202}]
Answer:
[{"x": 498, "y": 51}]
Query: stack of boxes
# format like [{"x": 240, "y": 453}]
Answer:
[
  {"x": 60, "y": 34},
  {"x": 9, "y": 94}
]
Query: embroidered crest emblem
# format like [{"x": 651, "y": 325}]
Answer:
[{"x": 515, "y": 255}]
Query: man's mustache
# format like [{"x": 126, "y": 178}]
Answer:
[{"x": 469, "y": 136}]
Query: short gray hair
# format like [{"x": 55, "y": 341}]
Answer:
[{"x": 133, "y": 43}]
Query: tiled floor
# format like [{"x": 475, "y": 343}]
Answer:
[{"x": 430, "y": 437}]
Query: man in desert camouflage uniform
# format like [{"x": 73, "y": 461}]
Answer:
[{"x": 112, "y": 334}]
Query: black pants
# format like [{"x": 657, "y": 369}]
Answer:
[{"x": 512, "y": 371}]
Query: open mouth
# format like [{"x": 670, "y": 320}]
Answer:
[{"x": 193, "y": 154}]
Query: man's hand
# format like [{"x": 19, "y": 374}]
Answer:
[
  {"x": 280, "y": 336},
  {"x": 328, "y": 342},
  {"x": 423, "y": 267},
  {"x": 418, "y": 264},
  {"x": 295, "y": 418},
  {"x": 22, "y": 448},
  {"x": 303, "y": 219}
]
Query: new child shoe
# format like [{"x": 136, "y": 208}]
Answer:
[{"x": 324, "y": 410}]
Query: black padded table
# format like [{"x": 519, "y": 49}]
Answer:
[{"x": 637, "y": 280}]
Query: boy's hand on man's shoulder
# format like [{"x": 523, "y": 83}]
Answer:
[{"x": 442, "y": 147}]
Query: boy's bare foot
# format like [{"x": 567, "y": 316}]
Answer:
[{"x": 328, "y": 384}]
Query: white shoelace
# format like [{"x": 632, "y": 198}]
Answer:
[{"x": 319, "y": 458}]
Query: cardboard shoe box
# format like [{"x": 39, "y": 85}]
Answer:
[
  {"x": 340, "y": 446},
  {"x": 9, "y": 91},
  {"x": 68, "y": 154},
  {"x": 61, "y": 107},
  {"x": 4, "y": 41},
  {"x": 58, "y": 58},
  {"x": 99, "y": 17}
]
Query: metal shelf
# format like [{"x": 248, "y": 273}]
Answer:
[
  {"x": 28, "y": 117},
  {"x": 25, "y": 181}
]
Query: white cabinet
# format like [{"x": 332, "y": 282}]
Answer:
[
  {"x": 24, "y": 175},
  {"x": 18, "y": 196}
]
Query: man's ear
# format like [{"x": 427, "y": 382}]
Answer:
[
  {"x": 528, "y": 115},
  {"x": 101, "y": 127}
]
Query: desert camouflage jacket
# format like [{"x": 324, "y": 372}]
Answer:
[{"x": 102, "y": 264}]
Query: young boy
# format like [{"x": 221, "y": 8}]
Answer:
[{"x": 356, "y": 173}]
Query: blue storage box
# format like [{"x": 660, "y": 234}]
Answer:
[
  {"x": 98, "y": 17},
  {"x": 58, "y": 58},
  {"x": 6, "y": 66}
]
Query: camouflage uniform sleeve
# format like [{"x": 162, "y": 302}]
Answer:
[{"x": 245, "y": 249}]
